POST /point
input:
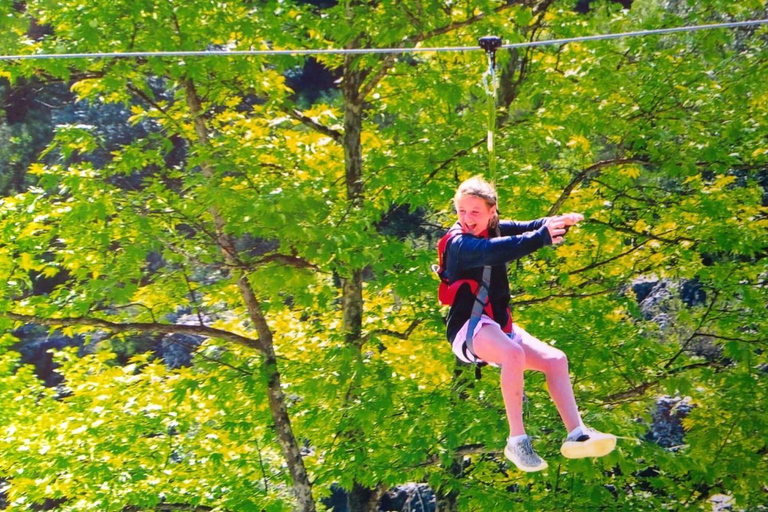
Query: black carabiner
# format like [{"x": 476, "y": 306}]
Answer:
[{"x": 490, "y": 44}]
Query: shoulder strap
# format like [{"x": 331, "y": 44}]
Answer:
[
  {"x": 481, "y": 300},
  {"x": 442, "y": 245}
]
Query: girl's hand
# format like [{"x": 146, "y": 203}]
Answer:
[
  {"x": 571, "y": 218},
  {"x": 556, "y": 228}
]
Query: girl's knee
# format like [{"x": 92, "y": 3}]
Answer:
[{"x": 557, "y": 362}]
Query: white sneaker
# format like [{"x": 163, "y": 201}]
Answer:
[
  {"x": 520, "y": 452},
  {"x": 587, "y": 442}
]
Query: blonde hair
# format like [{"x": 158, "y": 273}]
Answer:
[{"x": 477, "y": 186}]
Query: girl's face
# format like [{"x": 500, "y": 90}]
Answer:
[{"x": 474, "y": 214}]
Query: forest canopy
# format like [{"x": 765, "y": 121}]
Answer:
[{"x": 215, "y": 284}]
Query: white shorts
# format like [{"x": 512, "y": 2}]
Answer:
[{"x": 461, "y": 338}]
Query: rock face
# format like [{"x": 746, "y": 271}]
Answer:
[
  {"x": 661, "y": 299},
  {"x": 409, "y": 497},
  {"x": 721, "y": 503},
  {"x": 176, "y": 349},
  {"x": 35, "y": 342},
  {"x": 658, "y": 300},
  {"x": 666, "y": 428},
  {"x": 34, "y": 346},
  {"x": 663, "y": 296}
]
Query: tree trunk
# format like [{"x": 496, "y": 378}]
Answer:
[
  {"x": 360, "y": 497},
  {"x": 352, "y": 303},
  {"x": 448, "y": 501},
  {"x": 302, "y": 487}
]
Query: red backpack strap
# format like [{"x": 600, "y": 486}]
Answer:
[
  {"x": 446, "y": 292},
  {"x": 442, "y": 245}
]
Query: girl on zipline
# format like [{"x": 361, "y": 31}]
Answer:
[{"x": 480, "y": 239}]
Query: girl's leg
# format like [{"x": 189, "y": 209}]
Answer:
[
  {"x": 554, "y": 364},
  {"x": 492, "y": 345}
]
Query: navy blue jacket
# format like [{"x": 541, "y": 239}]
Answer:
[{"x": 466, "y": 255}]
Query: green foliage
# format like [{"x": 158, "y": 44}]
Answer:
[{"x": 659, "y": 141}]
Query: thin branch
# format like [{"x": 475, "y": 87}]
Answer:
[
  {"x": 623, "y": 229},
  {"x": 457, "y": 155},
  {"x": 609, "y": 260},
  {"x": 583, "y": 175},
  {"x": 374, "y": 80},
  {"x": 728, "y": 338},
  {"x": 285, "y": 259},
  {"x": 261, "y": 464},
  {"x": 195, "y": 330},
  {"x": 192, "y": 295},
  {"x": 129, "y": 305},
  {"x": 461, "y": 451},
  {"x": 308, "y": 121},
  {"x": 640, "y": 389},
  {"x": 460, "y": 24},
  {"x": 394, "y": 334},
  {"x": 687, "y": 342},
  {"x": 562, "y": 296},
  {"x": 196, "y": 351}
]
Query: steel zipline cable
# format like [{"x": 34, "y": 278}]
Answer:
[{"x": 330, "y": 51}]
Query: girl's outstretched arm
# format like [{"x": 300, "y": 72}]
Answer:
[
  {"x": 467, "y": 251},
  {"x": 518, "y": 227}
]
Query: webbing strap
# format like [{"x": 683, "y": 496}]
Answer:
[
  {"x": 477, "y": 311},
  {"x": 491, "y": 83}
]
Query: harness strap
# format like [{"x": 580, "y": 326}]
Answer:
[
  {"x": 481, "y": 300},
  {"x": 491, "y": 84}
]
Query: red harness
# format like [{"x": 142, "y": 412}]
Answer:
[{"x": 446, "y": 292}]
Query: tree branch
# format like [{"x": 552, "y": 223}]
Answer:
[
  {"x": 583, "y": 175},
  {"x": 394, "y": 334},
  {"x": 285, "y": 259},
  {"x": 684, "y": 345},
  {"x": 613, "y": 258},
  {"x": 457, "y": 155},
  {"x": 308, "y": 121},
  {"x": 459, "y": 24},
  {"x": 462, "y": 451},
  {"x": 624, "y": 229},
  {"x": 640, "y": 389},
  {"x": 376, "y": 77},
  {"x": 561, "y": 296},
  {"x": 194, "y": 330},
  {"x": 727, "y": 338}
]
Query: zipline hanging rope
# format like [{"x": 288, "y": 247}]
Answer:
[
  {"x": 491, "y": 83},
  {"x": 236, "y": 53}
]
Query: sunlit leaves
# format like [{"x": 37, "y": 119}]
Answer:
[{"x": 659, "y": 141}]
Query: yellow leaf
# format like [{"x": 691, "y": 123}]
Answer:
[
  {"x": 630, "y": 171},
  {"x": 579, "y": 141},
  {"x": 26, "y": 261},
  {"x": 50, "y": 271},
  {"x": 689, "y": 179},
  {"x": 36, "y": 169}
]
